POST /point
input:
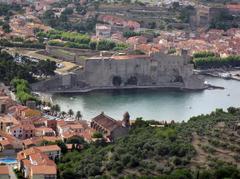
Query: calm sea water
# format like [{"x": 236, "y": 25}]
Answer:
[{"x": 153, "y": 104}]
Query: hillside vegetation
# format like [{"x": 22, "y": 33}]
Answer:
[{"x": 207, "y": 146}]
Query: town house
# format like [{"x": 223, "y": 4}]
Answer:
[{"x": 36, "y": 162}]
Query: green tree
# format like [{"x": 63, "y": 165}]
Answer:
[
  {"x": 105, "y": 45},
  {"x": 77, "y": 141},
  {"x": 63, "y": 113},
  {"x": 93, "y": 45},
  {"x": 97, "y": 135},
  {"x": 6, "y": 28},
  {"x": 57, "y": 108},
  {"x": 70, "y": 112},
  {"x": 63, "y": 146},
  {"x": 78, "y": 115}
]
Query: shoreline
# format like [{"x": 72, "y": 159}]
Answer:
[
  {"x": 230, "y": 74},
  {"x": 115, "y": 103},
  {"x": 92, "y": 89}
]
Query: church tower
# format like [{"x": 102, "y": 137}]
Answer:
[{"x": 126, "y": 120}]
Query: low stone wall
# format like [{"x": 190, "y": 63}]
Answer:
[{"x": 70, "y": 54}]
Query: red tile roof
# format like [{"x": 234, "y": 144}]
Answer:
[
  {"x": 43, "y": 169},
  {"x": 4, "y": 170},
  {"x": 49, "y": 148},
  {"x": 233, "y": 7},
  {"x": 106, "y": 122}
]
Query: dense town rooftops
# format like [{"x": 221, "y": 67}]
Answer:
[
  {"x": 23, "y": 154},
  {"x": 36, "y": 161},
  {"x": 76, "y": 126},
  {"x": 8, "y": 119},
  {"x": 45, "y": 129},
  {"x": 9, "y": 137},
  {"x": 5, "y": 142},
  {"x": 41, "y": 159},
  {"x": 27, "y": 142},
  {"x": 39, "y": 140},
  {"x": 33, "y": 150}
]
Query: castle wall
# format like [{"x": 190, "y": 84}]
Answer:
[{"x": 158, "y": 70}]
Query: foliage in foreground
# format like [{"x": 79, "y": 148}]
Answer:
[{"x": 151, "y": 151}]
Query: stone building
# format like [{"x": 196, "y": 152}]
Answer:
[
  {"x": 109, "y": 127},
  {"x": 205, "y": 15},
  {"x": 5, "y": 102},
  {"x": 130, "y": 71},
  {"x": 103, "y": 31},
  {"x": 7, "y": 121}
]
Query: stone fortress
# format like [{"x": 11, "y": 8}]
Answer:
[{"x": 125, "y": 72}]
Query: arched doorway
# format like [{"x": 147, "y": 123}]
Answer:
[{"x": 117, "y": 81}]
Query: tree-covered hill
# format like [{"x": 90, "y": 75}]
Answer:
[{"x": 207, "y": 146}]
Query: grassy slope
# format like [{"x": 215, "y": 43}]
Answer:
[{"x": 205, "y": 142}]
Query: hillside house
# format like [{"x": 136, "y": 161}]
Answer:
[{"x": 103, "y": 31}]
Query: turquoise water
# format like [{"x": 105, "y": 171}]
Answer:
[
  {"x": 8, "y": 160},
  {"x": 153, "y": 104}
]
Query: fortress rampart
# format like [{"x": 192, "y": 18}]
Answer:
[{"x": 133, "y": 71}]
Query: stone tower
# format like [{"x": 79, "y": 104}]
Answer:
[{"x": 126, "y": 120}]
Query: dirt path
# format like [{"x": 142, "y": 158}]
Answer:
[{"x": 201, "y": 156}]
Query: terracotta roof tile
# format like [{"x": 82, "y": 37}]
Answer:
[
  {"x": 46, "y": 170},
  {"x": 4, "y": 170},
  {"x": 49, "y": 148},
  {"x": 106, "y": 122}
]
